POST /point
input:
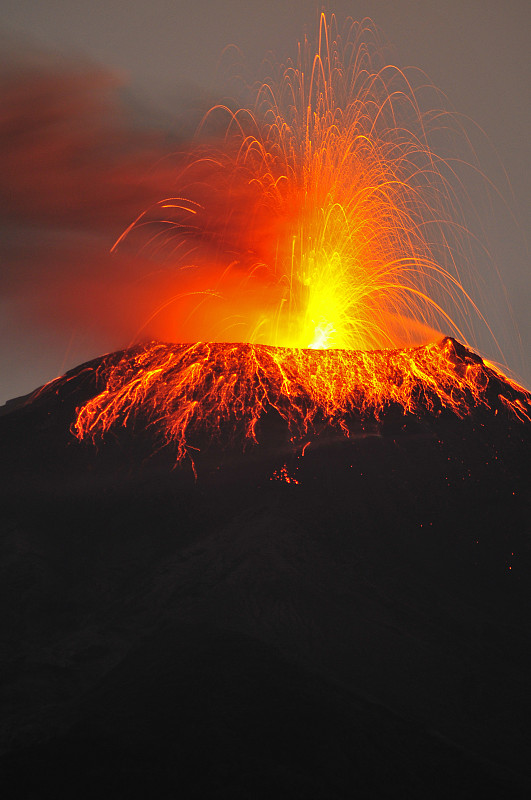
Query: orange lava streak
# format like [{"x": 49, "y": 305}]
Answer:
[
  {"x": 185, "y": 389},
  {"x": 322, "y": 218}
]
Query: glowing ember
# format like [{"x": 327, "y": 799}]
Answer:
[{"x": 181, "y": 390}]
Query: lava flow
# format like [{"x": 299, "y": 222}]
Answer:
[
  {"x": 185, "y": 390},
  {"x": 321, "y": 233}
]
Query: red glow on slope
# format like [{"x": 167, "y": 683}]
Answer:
[{"x": 185, "y": 391}]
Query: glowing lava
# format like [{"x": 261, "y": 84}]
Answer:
[{"x": 186, "y": 390}]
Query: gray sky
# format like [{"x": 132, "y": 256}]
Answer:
[{"x": 165, "y": 52}]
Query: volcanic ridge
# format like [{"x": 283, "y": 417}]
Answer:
[{"x": 192, "y": 394}]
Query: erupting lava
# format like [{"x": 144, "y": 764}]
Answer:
[
  {"x": 321, "y": 232},
  {"x": 323, "y": 218}
]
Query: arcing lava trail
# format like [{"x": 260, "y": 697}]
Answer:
[{"x": 320, "y": 214}]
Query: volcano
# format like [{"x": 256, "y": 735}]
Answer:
[{"x": 225, "y": 575}]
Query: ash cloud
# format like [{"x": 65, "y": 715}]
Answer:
[
  {"x": 74, "y": 172},
  {"x": 76, "y": 169}
]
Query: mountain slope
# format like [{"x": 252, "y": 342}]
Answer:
[{"x": 290, "y": 620}]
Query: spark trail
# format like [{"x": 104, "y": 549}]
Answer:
[{"x": 323, "y": 218}]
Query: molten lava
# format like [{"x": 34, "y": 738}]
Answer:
[{"x": 183, "y": 391}]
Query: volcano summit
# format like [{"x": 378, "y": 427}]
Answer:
[{"x": 189, "y": 393}]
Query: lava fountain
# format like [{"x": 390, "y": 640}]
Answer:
[{"x": 322, "y": 233}]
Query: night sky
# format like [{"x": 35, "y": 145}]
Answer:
[{"x": 95, "y": 95}]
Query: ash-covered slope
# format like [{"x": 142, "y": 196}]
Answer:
[{"x": 314, "y": 615}]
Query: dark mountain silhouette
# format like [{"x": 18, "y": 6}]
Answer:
[{"x": 353, "y": 621}]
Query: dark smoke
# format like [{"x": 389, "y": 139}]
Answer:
[{"x": 75, "y": 170}]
